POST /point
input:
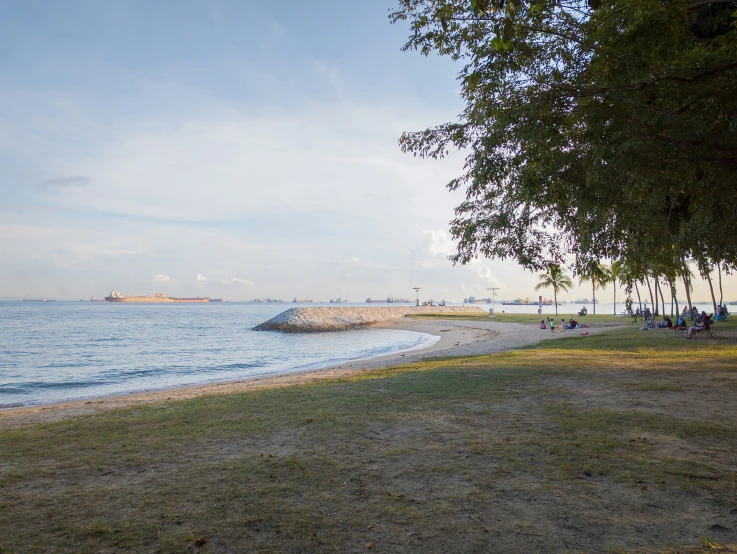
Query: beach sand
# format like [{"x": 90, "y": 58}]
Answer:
[{"x": 457, "y": 338}]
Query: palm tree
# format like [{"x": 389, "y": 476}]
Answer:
[
  {"x": 556, "y": 277},
  {"x": 616, "y": 273},
  {"x": 599, "y": 275}
]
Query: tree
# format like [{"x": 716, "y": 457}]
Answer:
[
  {"x": 599, "y": 275},
  {"x": 556, "y": 277},
  {"x": 597, "y": 133},
  {"x": 616, "y": 271}
]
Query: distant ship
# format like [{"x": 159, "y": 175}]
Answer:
[
  {"x": 92, "y": 299},
  {"x": 391, "y": 300},
  {"x": 37, "y": 300},
  {"x": 338, "y": 300},
  {"x": 516, "y": 302},
  {"x": 261, "y": 300},
  {"x": 370, "y": 300},
  {"x": 117, "y": 296},
  {"x": 302, "y": 300},
  {"x": 474, "y": 300}
]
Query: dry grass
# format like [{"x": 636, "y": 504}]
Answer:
[{"x": 616, "y": 442}]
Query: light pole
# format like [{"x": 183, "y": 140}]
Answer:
[
  {"x": 417, "y": 291},
  {"x": 493, "y": 297}
]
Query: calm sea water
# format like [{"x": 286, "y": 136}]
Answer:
[{"x": 58, "y": 351}]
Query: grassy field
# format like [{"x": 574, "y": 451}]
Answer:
[
  {"x": 625, "y": 441},
  {"x": 598, "y": 319}
]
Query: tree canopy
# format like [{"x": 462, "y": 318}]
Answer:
[{"x": 593, "y": 129}]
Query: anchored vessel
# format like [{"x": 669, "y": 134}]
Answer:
[{"x": 117, "y": 296}]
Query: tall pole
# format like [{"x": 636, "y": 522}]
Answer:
[
  {"x": 493, "y": 298},
  {"x": 417, "y": 291}
]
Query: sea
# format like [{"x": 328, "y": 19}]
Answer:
[{"x": 59, "y": 351}]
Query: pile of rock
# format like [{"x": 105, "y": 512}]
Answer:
[{"x": 307, "y": 320}]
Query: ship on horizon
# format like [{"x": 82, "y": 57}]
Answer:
[{"x": 117, "y": 296}]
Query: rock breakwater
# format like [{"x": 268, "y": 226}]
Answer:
[{"x": 313, "y": 320}]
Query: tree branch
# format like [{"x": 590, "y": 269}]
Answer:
[
  {"x": 707, "y": 2},
  {"x": 665, "y": 77}
]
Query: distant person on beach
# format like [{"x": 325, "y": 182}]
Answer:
[{"x": 543, "y": 325}]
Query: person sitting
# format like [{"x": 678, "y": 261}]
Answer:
[
  {"x": 722, "y": 313},
  {"x": 572, "y": 324},
  {"x": 543, "y": 325},
  {"x": 666, "y": 322},
  {"x": 583, "y": 311},
  {"x": 681, "y": 321},
  {"x": 703, "y": 325}
]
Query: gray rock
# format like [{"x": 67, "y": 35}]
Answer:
[{"x": 310, "y": 320}]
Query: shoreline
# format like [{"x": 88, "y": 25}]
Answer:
[{"x": 455, "y": 338}]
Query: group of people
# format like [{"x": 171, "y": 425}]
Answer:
[
  {"x": 702, "y": 322},
  {"x": 571, "y": 324}
]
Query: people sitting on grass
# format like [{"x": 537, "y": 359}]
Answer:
[
  {"x": 572, "y": 324},
  {"x": 681, "y": 321},
  {"x": 543, "y": 325},
  {"x": 722, "y": 313},
  {"x": 665, "y": 323},
  {"x": 703, "y": 325}
]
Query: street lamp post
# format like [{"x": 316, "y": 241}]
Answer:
[
  {"x": 417, "y": 291},
  {"x": 493, "y": 298}
]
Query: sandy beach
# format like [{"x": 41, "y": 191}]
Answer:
[{"x": 456, "y": 338}]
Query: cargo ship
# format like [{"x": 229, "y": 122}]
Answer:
[
  {"x": 392, "y": 300},
  {"x": 117, "y": 296}
]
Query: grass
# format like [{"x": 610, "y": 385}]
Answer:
[
  {"x": 619, "y": 441},
  {"x": 598, "y": 319}
]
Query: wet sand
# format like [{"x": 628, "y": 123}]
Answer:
[{"x": 457, "y": 338}]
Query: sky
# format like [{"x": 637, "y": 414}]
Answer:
[{"x": 228, "y": 148}]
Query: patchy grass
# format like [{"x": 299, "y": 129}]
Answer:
[
  {"x": 619, "y": 441},
  {"x": 529, "y": 318}
]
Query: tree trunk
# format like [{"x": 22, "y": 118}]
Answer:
[
  {"x": 593, "y": 294},
  {"x": 721, "y": 292},
  {"x": 639, "y": 300},
  {"x": 688, "y": 291},
  {"x": 614, "y": 282},
  {"x": 662, "y": 300},
  {"x": 713, "y": 299},
  {"x": 652, "y": 302},
  {"x": 555, "y": 299},
  {"x": 675, "y": 297}
]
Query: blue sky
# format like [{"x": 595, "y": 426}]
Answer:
[{"x": 221, "y": 147}]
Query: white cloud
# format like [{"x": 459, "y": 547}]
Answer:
[
  {"x": 201, "y": 278},
  {"x": 161, "y": 278},
  {"x": 242, "y": 282},
  {"x": 437, "y": 243},
  {"x": 487, "y": 277}
]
